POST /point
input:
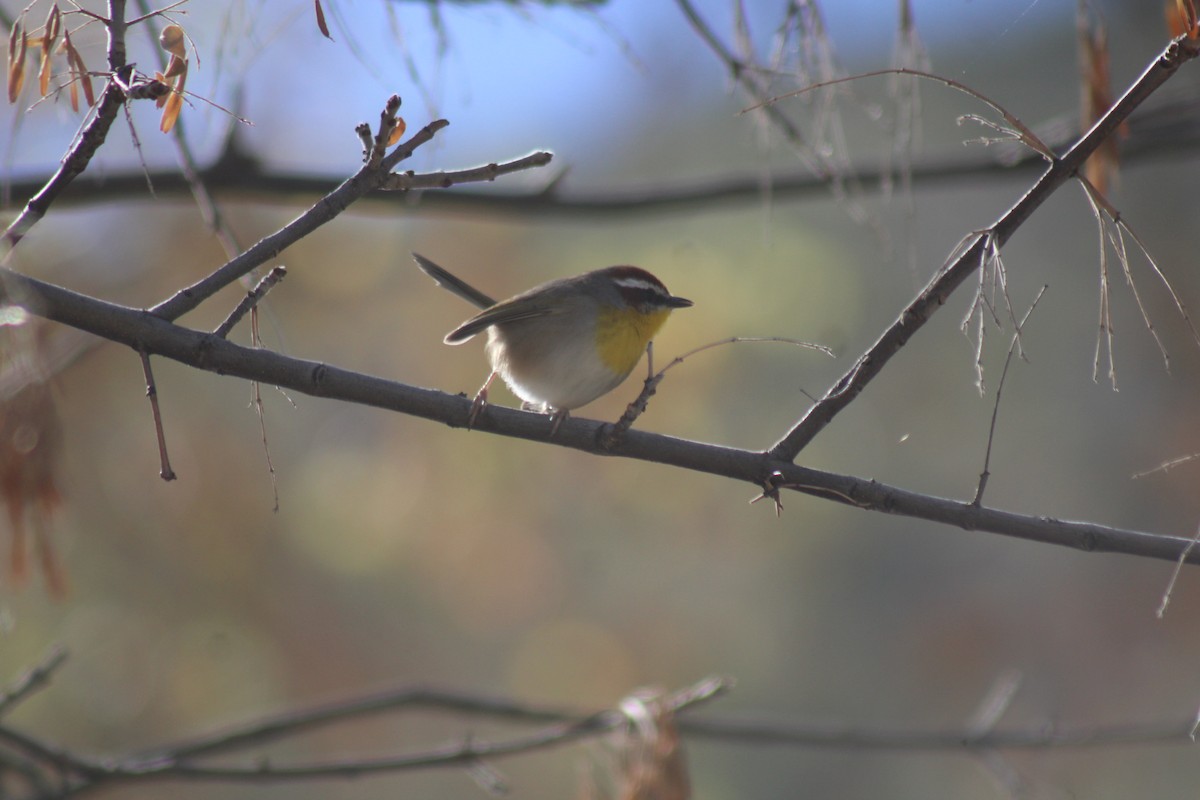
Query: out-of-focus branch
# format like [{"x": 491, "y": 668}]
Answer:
[
  {"x": 866, "y": 737},
  {"x": 37, "y": 677},
  {"x": 750, "y": 80},
  {"x": 71, "y": 773},
  {"x": 1164, "y": 131}
]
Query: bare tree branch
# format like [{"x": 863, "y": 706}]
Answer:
[{"x": 141, "y": 329}]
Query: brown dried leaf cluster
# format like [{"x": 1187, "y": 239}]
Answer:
[
  {"x": 49, "y": 46},
  {"x": 31, "y": 443}
]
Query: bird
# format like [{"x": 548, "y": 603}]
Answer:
[{"x": 562, "y": 344}]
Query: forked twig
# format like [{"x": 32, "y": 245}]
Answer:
[
  {"x": 1016, "y": 129},
  {"x": 613, "y": 433},
  {"x": 251, "y": 300},
  {"x": 1166, "y": 465},
  {"x": 1012, "y": 348},
  {"x": 1112, "y": 230},
  {"x": 1166, "y": 595}
]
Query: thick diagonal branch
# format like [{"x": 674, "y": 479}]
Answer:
[
  {"x": 143, "y": 330},
  {"x": 934, "y": 296}
]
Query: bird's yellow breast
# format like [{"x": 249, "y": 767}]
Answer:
[{"x": 622, "y": 335}]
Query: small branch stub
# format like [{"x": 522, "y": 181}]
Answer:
[{"x": 165, "y": 472}]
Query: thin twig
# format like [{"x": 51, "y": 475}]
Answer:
[
  {"x": 858, "y": 737},
  {"x": 1166, "y": 465},
  {"x": 35, "y": 678},
  {"x": 1110, "y": 234},
  {"x": 165, "y": 472},
  {"x": 407, "y": 181},
  {"x": 1012, "y": 348},
  {"x": 1019, "y": 129},
  {"x": 251, "y": 300},
  {"x": 260, "y": 410},
  {"x": 638, "y": 407},
  {"x": 1166, "y": 595},
  {"x": 147, "y": 13}
]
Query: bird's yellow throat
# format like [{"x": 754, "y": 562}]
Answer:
[{"x": 622, "y": 335}]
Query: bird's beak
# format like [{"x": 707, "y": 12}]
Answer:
[{"x": 679, "y": 302}]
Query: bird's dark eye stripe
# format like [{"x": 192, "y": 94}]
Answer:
[{"x": 643, "y": 295}]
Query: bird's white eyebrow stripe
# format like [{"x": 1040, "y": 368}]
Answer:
[{"x": 638, "y": 283}]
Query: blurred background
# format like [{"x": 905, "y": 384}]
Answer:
[{"x": 405, "y": 551}]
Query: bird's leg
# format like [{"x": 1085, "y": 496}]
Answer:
[
  {"x": 557, "y": 415},
  {"x": 556, "y": 419},
  {"x": 480, "y": 401}
]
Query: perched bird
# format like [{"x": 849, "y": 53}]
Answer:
[{"x": 562, "y": 344}]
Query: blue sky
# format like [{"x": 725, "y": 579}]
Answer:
[{"x": 509, "y": 81}]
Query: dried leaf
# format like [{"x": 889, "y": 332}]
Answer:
[
  {"x": 30, "y": 449},
  {"x": 49, "y": 37},
  {"x": 1097, "y": 98},
  {"x": 322, "y": 26},
  {"x": 51, "y": 28},
  {"x": 176, "y": 66},
  {"x": 1182, "y": 19},
  {"x": 161, "y": 100},
  {"x": 79, "y": 71},
  {"x": 17, "y": 46},
  {"x": 174, "y": 104},
  {"x": 397, "y": 131},
  {"x": 172, "y": 40},
  {"x": 44, "y": 71}
]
